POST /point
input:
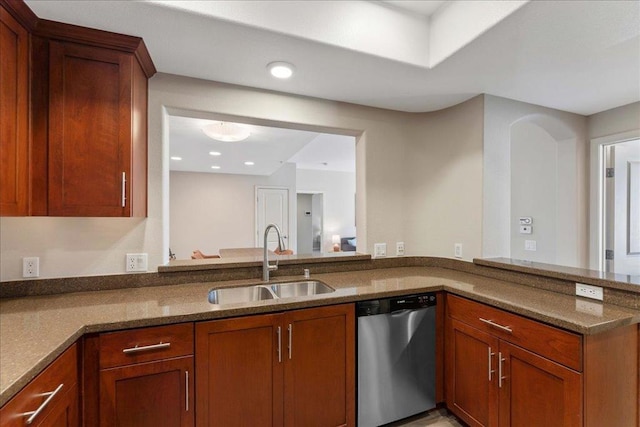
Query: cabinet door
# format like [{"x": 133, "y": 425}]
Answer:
[
  {"x": 14, "y": 116},
  {"x": 536, "y": 392},
  {"x": 89, "y": 131},
  {"x": 320, "y": 374},
  {"x": 471, "y": 371},
  {"x": 150, "y": 394},
  {"x": 239, "y": 369}
]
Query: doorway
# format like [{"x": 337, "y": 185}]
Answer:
[
  {"x": 621, "y": 207},
  {"x": 310, "y": 220}
]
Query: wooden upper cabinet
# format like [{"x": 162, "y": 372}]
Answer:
[
  {"x": 73, "y": 122},
  {"x": 93, "y": 157},
  {"x": 14, "y": 116}
]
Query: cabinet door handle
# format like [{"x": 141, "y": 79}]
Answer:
[
  {"x": 279, "y": 344},
  {"x": 137, "y": 349},
  {"x": 124, "y": 189},
  {"x": 500, "y": 377},
  {"x": 290, "y": 329},
  {"x": 186, "y": 388},
  {"x": 494, "y": 324},
  {"x": 491, "y": 371},
  {"x": 34, "y": 414}
]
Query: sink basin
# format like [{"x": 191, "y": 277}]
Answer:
[
  {"x": 300, "y": 289},
  {"x": 253, "y": 293},
  {"x": 240, "y": 294}
]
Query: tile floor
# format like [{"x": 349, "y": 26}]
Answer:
[{"x": 435, "y": 418}]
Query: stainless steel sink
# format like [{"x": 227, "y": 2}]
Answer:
[
  {"x": 300, "y": 289},
  {"x": 253, "y": 293},
  {"x": 240, "y": 294}
]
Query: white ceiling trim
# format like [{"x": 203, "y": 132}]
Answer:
[
  {"x": 361, "y": 26},
  {"x": 460, "y": 22}
]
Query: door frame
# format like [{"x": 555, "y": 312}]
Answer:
[{"x": 596, "y": 194}]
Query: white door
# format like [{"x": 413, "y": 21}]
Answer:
[
  {"x": 272, "y": 207},
  {"x": 624, "y": 213}
]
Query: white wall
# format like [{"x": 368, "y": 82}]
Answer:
[
  {"x": 305, "y": 231},
  {"x": 534, "y": 171},
  {"x": 614, "y": 121},
  {"x": 339, "y": 190},
  {"x": 209, "y": 211},
  {"x": 449, "y": 208},
  {"x": 442, "y": 182},
  {"x": 499, "y": 116}
]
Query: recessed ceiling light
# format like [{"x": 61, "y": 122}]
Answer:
[
  {"x": 215, "y": 167},
  {"x": 214, "y": 153},
  {"x": 249, "y": 163},
  {"x": 176, "y": 158},
  {"x": 280, "y": 69},
  {"x": 226, "y": 132}
]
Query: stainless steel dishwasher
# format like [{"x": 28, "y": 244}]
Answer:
[{"x": 396, "y": 358}]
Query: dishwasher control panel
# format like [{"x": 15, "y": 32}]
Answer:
[{"x": 389, "y": 305}]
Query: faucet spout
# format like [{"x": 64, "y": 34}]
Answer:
[{"x": 266, "y": 268}]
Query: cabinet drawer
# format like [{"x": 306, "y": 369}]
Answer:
[
  {"x": 553, "y": 343},
  {"x": 44, "y": 393},
  {"x": 145, "y": 345}
]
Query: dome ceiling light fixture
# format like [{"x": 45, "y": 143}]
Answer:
[
  {"x": 226, "y": 131},
  {"x": 280, "y": 69}
]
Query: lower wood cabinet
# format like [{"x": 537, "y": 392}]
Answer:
[
  {"x": 142, "y": 377},
  {"x": 51, "y": 399},
  {"x": 293, "y": 369},
  {"x": 502, "y": 369}
]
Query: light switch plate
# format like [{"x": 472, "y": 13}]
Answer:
[
  {"x": 379, "y": 250},
  {"x": 457, "y": 250}
]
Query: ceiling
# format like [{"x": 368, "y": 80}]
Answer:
[
  {"x": 577, "y": 56},
  {"x": 267, "y": 147}
]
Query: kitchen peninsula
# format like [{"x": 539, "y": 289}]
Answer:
[{"x": 35, "y": 330}]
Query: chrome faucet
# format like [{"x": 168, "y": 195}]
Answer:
[{"x": 266, "y": 268}]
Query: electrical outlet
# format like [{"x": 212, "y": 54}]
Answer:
[
  {"x": 457, "y": 250},
  {"x": 136, "y": 262},
  {"x": 379, "y": 250},
  {"x": 588, "y": 291},
  {"x": 31, "y": 267},
  {"x": 399, "y": 248}
]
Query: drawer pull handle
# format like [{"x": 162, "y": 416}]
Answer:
[
  {"x": 494, "y": 324},
  {"x": 33, "y": 414},
  {"x": 137, "y": 349}
]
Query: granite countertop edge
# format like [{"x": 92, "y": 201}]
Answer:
[{"x": 452, "y": 282}]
